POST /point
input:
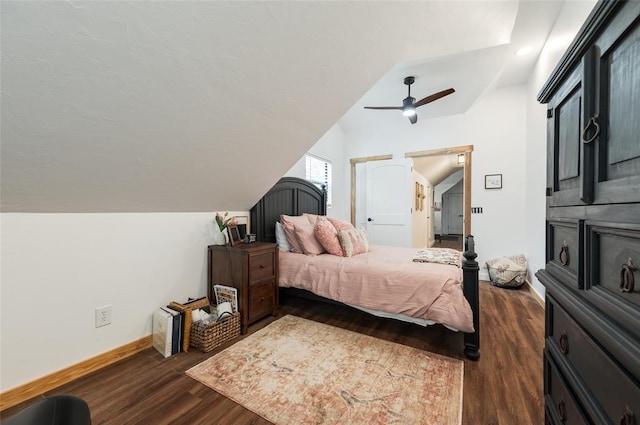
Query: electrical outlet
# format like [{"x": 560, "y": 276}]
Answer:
[{"x": 103, "y": 316}]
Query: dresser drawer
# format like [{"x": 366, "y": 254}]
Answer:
[
  {"x": 261, "y": 267},
  {"x": 613, "y": 279},
  {"x": 261, "y": 300},
  {"x": 610, "y": 386},
  {"x": 560, "y": 402},
  {"x": 564, "y": 246}
]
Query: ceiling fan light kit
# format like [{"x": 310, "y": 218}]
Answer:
[{"x": 409, "y": 103}]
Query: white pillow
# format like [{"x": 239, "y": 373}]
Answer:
[{"x": 281, "y": 238}]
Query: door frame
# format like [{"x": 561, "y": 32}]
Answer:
[
  {"x": 466, "y": 150},
  {"x": 353, "y": 162}
]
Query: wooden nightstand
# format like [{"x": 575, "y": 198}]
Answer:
[{"x": 253, "y": 270}]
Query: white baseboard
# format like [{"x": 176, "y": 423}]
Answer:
[{"x": 483, "y": 274}]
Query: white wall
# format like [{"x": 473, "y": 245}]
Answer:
[
  {"x": 571, "y": 17},
  {"x": 496, "y": 127},
  {"x": 331, "y": 147},
  {"x": 57, "y": 268}
]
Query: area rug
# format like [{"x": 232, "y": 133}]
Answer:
[{"x": 296, "y": 371}]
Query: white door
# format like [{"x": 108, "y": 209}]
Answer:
[
  {"x": 454, "y": 213},
  {"x": 388, "y": 199}
]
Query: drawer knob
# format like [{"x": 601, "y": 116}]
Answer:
[
  {"x": 262, "y": 266},
  {"x": 628, "y": 418},
  {"x": 562, "y": 410},
  {"x": 627, "y": 278},
  {"x": 564, "y": 254},
  {"x": 564, "y": 342}
]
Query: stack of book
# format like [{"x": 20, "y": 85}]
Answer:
[
  {"x": 167, "y": 331},
  {"x": 172, "y": 326}
]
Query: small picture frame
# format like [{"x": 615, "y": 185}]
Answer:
[
  {"x": 234, "y": 235},
  {"x": 493, "y": 181}
]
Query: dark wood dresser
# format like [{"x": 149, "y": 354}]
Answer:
[
  {"x": 592, "y": 350},
  {"x": 253, "y": 270}
]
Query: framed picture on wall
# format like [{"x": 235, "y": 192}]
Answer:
[{"x": 493, "y": 181}]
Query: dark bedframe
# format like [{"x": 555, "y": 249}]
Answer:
[{"x": 295, "y": 196}]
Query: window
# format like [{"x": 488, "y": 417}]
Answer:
[{"x": 318, "y": 171}]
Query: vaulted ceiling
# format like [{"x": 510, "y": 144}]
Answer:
[{"x": 200, "y": 106}]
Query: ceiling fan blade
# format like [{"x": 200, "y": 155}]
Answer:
[
  {"x": 434, "y": 97},
  {"x": 413, "y": 118},
  {"x": 383, "y": 107}
]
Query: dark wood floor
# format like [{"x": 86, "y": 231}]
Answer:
[
  {"x": 448, "y": 241},
  {"x": 503, "y": 387}
]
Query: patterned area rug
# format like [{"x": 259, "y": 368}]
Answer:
[{"x": 296, "y": 371}]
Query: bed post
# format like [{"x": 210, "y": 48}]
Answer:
[{"x": 470, "y": 287}]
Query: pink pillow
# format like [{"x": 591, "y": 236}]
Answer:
[
  {"x": 327, "y": 235},
  {"x": 313, "y": 218},
  {"x": 288, "y": 222},
  {"x": 353, "y": 241},
  {"x": 340, "y": 224},
  {"x": 301, "y": 229}
]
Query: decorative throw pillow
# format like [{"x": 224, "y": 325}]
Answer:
[
  {"x": 301, "y": 234},
  {"x": 353, "y": 242},
  {"x": 281, "y": 238},
  {"x": 340, "y": 224},
  {"x": 327, "y": 235}
]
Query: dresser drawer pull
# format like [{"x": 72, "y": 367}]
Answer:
[
  {"x": 593, "y": 123},
  {"x": 562, "y": 410},
  {"x": 564, "y": 254},
  {"x": 627, "y": 278},
  {"x": 628, "y": 418},
  {"x": 564, "y": 342},
  {"x": 262, "y": 266}
]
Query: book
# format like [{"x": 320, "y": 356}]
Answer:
[
  {"x": 226, "y": 294},
  {"x": 162, "y": 331},
  {"x": 186, "y": 323},
  {"x": 186, "y": 310},
  {"x": 176, "y": 335}
]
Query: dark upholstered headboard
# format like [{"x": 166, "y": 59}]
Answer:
[{"x": 290, "y": 196}]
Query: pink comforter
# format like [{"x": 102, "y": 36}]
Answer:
[{"x": 384, "y": 279}]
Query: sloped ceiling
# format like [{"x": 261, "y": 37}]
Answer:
[{"x": 198, "y": 106}]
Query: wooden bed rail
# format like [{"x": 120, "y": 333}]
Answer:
[{"x": 470, "y": 288}]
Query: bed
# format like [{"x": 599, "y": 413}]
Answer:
[{"x": 456, "y": 285}]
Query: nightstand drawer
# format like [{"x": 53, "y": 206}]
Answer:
[
  {"x": 610, "y": 386},
  {"x": 261, "y": 300},
  {"x": 261, "y": 267}
]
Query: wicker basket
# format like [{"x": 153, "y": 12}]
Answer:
[{"x": 206, "y": 337}]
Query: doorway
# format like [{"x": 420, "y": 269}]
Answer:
[
  {"x": 462, "y": 156},
  {"x": 460, "y": 153}
]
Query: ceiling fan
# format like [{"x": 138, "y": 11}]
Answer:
[{"x": 409, "y": 103}]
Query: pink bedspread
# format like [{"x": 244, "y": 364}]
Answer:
[{"x": 384, "y": 279}]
